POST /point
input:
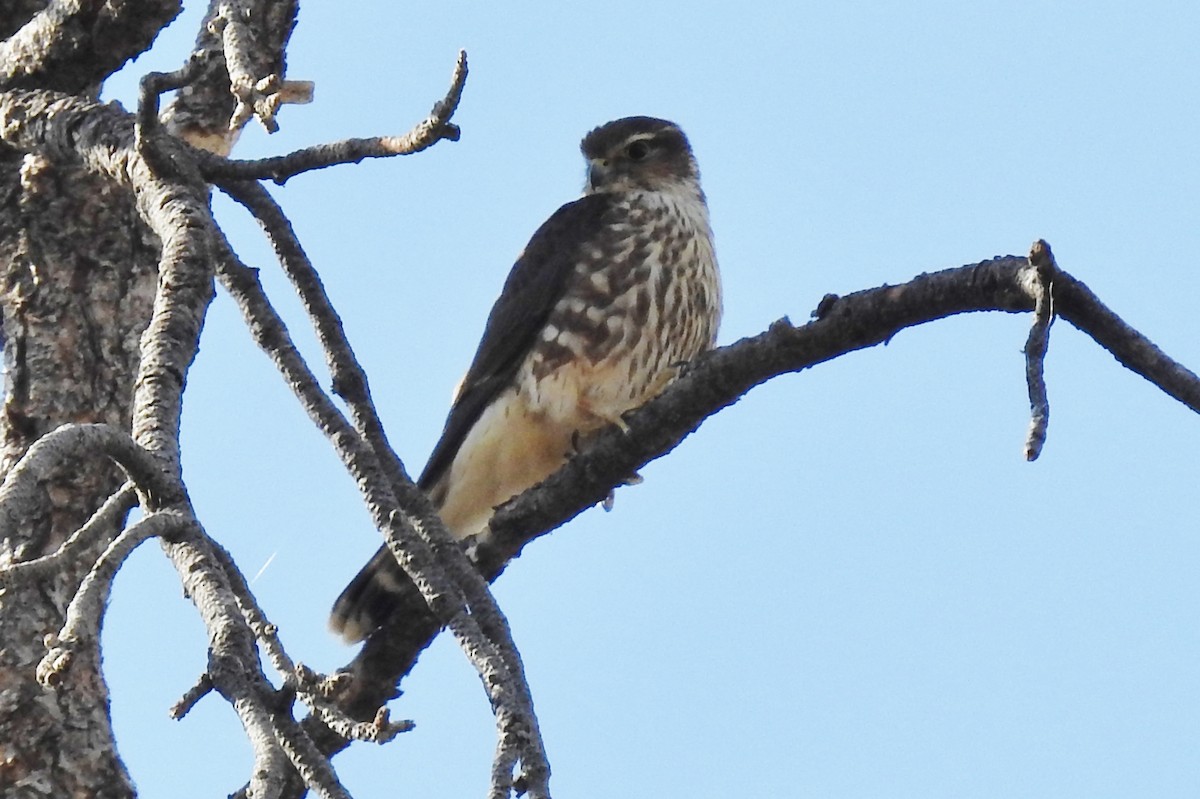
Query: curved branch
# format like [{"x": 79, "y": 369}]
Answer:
[
  {"x": 350, "y": 382},
  {"x": 74, "y": 444},
  {"x": 84, "y": 614},
  {"x": 425, "y": 134},
  {"x": 1042, "y": 284},
  {"x": 153, "y": 85}
]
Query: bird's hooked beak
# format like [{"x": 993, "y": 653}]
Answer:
[{"x": 598, "y": 172}]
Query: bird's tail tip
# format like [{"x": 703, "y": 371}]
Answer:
[{"x": 371, "y": 598}]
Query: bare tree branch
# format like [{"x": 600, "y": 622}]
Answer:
[
  {"x": 1042, "y": 287},
  {"x": 84, "y": 614},
  {"x": 425, "y": 134},
  {"x": 315, "y": 690},
  {"x": 259, "y": 90},
  {"x": 312, "y": 766},
  {"x": 1076, "y": 303},
  {"x": 380, "y": 729},
  {"x": 101, "y": 138},
  {"x": 73, "y": 444},
  {"x": 154, "y": 84},
  {"x": 717, "y": 379},
  {"x": 205, "y": 113},
  {"x": 350, "y": 382},
  {"x": 73, "y": 45},
  {"x": 92, "y": 534},
  {"x": 202, "y": 688},
  {"x": 263, "y": 702},
  {"x": 516, "y": 725},
  {"x": 853, "y": 322}
]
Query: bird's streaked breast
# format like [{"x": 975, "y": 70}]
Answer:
[{"x": 644, "y": 296}]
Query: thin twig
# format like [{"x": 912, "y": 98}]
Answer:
[
  {"x": 425, "y": 134},
  {"x": 155, "y": 84},
  {"x": 201, "y": 689},
  {"x": 87, "y": 537},
  {"x": 380, "y": 729},
  {"x": 83, "y": 614},
  {"x": 321, "y": 693},
  {"x": 151, "y": 87},
  {"x": 1042, "y": 271}
]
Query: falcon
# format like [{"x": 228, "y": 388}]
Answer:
[{"x": 612, "y": 294}]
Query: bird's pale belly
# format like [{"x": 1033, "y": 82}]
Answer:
[
  {"x": 508, "y": 450},
  {"x": 530, "y": 431}
]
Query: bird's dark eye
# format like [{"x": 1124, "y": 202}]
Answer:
[{"x": 638, "y": 150}]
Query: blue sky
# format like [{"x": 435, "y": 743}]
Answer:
[{"x": 850, "y": 584}]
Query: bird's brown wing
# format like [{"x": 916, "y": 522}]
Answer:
[{"x": 537, "y": 281}]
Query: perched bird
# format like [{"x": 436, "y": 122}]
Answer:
[{"x": 613, "y": 292}]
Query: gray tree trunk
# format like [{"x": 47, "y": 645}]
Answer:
[{"x": 79, "y": 278}]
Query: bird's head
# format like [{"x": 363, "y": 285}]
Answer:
[{"x": 639, "y": 154}]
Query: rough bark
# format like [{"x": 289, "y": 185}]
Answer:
[
  {"x": 73, "y": 45},
  {"x": 78, "y": 284},
  {"x": 78, "y": 270}
]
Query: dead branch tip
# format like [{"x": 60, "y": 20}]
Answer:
[{"x": 1041, "y": 260}]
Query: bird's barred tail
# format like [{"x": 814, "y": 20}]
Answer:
[{"x": 376, "y": 594}]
